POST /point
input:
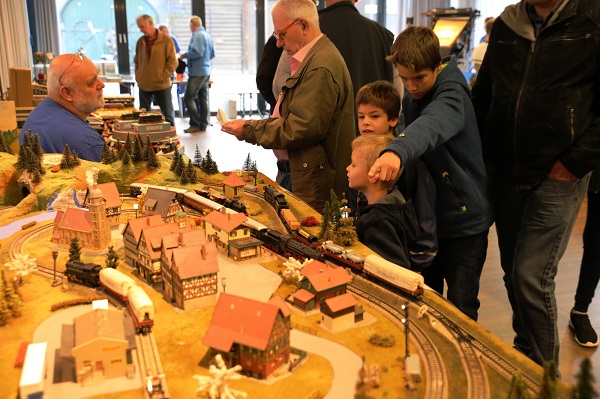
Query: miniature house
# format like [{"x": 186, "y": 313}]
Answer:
[
  {"x": 189, "y": 270},
  {"x": 231, "y": 235},
  {"x": 149, "y": 249},
  {"x": 132, "y": 233},
  {"x": 99, "y": 346},
  {"x": 161, "y": 202},
  {"x": 90, "y": 226},
  {"x": 321, "y": 282},
  {"x": 253, "y": 334},
  {"x": 113, "y": 201},
  {"x": 233, "y": 187},
  {"x": 338, "y": 313}
]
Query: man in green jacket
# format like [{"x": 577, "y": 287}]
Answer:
[
  {"x": 155, "y": 62},
  {"x": 315, "y": 125}
]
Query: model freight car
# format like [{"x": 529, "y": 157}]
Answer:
[
  {"x": 395, "y": 275},
  {"x": 141, "y": 309},
  {"x": 116, "y": 283},
  {"x": 84, "y": 273}
]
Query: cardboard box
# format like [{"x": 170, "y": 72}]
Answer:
[{"x": 20, "y": 87}]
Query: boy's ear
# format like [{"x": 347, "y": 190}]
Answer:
[{"x": 393, "y": 122}]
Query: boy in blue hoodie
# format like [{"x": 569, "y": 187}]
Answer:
[{"x": 441, "y": 129}]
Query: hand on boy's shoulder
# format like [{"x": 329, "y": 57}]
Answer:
[{"x": 385, "y": 168}]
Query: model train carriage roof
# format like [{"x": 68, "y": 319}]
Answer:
[
  {"x": 116, "y": 281},
  {"x": 241, "y": 320},
  {"x": 393, "y": 273},
  {"x": 140, "y": 303}
]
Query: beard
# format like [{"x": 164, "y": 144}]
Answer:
[{"x": 88, "y": 104}]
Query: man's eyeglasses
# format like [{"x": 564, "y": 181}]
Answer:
[
  {"x": 281, "y": 34},
  {"x": 78, "y": 56}
]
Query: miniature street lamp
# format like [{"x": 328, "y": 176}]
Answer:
[
  {"x": 135, "y": 206},
  {"x": 55, "y": 282},
  {"x": 405, "y": 322},
  {"x": 224, "y": 283}
]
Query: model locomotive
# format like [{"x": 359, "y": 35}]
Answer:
[{"x": 83, "y": 273}]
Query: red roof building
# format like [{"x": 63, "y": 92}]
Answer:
[
  {"x": 340, "y": 312},
  {"x": 253, "y": 334},
  {"x": 324, "y": 281},
  {"x": 189, "y": 270},
  {"x": 110, "y": 193},
  {"x": 232, "y": 235},
  {"x": 132, "y": 233},
  {"x": 90, "y": 225},
  {"x": 233, "y": 187}
]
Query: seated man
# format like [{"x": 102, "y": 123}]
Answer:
[{"x": 74, "y": 91}]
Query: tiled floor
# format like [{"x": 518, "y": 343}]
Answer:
[{"x": 495, "y": 313}]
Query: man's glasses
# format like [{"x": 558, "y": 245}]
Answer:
[
  {"x": 78, "y": 56},
  {"x": 281, "y": 34}
]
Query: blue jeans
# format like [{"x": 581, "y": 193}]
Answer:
[
  {"x": 589, "y": 275},
  {"x": 197, "y": 86},
  {"x": 533, "y": 229},
  {"x": 459, "y": 261},
  {"x": 164, "y": 101}
]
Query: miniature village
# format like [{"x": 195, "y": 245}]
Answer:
[{"x": 155, "y": 276}]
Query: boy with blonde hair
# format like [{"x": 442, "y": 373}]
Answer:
[{"x": 389, "y": 223}]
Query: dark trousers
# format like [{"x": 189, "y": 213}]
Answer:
[
  {"x": 589, "y": 275},
  {"x": 459, "y": 261}
]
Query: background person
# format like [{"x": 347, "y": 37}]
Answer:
[
  {"x": 536, "y": 98},
  {"x": 74, "y": 91},
  {"x": 200, "y": 51},
  {"x": 316, "y": 125},
  {"x": 155, "y": 61}
]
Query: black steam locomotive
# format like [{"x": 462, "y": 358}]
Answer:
[
  {"x": 275, "y": 198},
  {"x": 286, "y": 245},
  {"x": 84, "y": 273}
]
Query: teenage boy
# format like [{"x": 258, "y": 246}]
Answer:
[
  {"x": 388, "y": 224},
  {"x": 378, "y": 108},
  {"x": 441, "y": 129}
]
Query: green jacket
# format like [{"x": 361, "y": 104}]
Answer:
[
  {"x": 317, "y": 125},
  {"x": 154, "y": 73}
]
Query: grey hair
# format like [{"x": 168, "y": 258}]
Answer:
[{"x": 295, "y": 9}]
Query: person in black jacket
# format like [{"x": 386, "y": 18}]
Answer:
[
  {"x": 538, "y": 110},
  {"x": 363, "y": 43},
  {"x": 589, "y": 274}
]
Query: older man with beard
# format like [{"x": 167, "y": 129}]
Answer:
[{"x": 74, "y": 91}]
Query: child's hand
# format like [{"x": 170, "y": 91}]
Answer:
[{"x": 385, "y": 168}]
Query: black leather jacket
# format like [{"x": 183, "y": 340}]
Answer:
[{"x": 537, "y": 99}]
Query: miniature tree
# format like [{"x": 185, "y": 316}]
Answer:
[
  {"x": 138, "y": 151},
  {"x": 254, "y": 171},
  {"x": 152, "y": 161},
  {"x": 326, "y": 219},
  {"x": 191, "y": 172},
  {"x": 106, "y": 157},
  {"x": 335, "y": 207},
  {"x": 247, "y": 164},
  {"x": 209, "y": 166},
  {"x": 128, "y": 145},
  {"x": 74, "y": 250},
  {"x": 346, "y": 232},
  {"x": 122, "y": 150},
  {"x": 216, "y": 383},
  {"x": 293, "y": 270},
  {"x": 22, "y": 158},
  {"x": 10, "y": 297},
  {"x": 4, "y": 311},
  {"x": 31, "y": 164},
  {"x": 548, "y": 386},
  {"x": 197, "y": 157},
  {"x": 310, "y": 221},
  {"x": 180, "y": 166},
  {"x": 126, "y": 160},
  {"x": 112, "y": 259},
  {"x": 76, "y": 160},
  {"x": 147, "y": 149},
  {"x": 36, "y": 146},
  {"x": 176, "y": 159},
  {"x": 518, "y": 389},
  {"x": 37, "y": 177},
  {"x": 184, "y": 177},
  {"x": 22, "y": 265},
  {"x": 584, "y": 388},
  {"x": 67, "y": 159},
  {"x": 4, "y": 144}
]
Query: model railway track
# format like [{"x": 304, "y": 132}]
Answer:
[
  {"x": 437, "y": 379},
  {"x": 475, "y": 353},
  {"x": 150, "y": 365}
]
